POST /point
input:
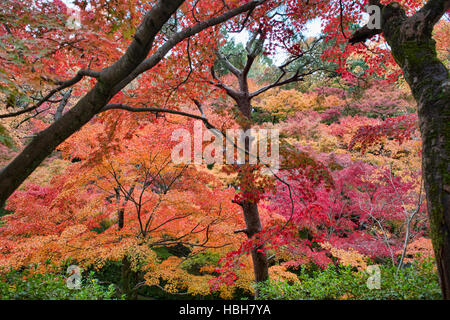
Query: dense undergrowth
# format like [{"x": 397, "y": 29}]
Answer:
[{"x": 417, "y": 280}]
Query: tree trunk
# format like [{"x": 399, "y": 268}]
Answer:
[
  {"x": 129, "y": 280},
  {"x": 414, "y": 50},
  {"x": 250, "y": 209},
  {"x": 253, "y": 226}
]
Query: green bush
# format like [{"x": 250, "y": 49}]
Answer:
[
  {"x": 195, "y": 263},
  {"x": 24, "y": 285},
  {"x": 418, "y": 281}
]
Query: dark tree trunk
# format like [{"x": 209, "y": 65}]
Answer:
[
  {"x": 129, "y": 280},
  {"x": 249, "y": 208},
  {"x": 415, "y": 52},
  {"x": 413, "y": 48}
]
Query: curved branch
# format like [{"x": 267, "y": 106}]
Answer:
[
  {"x": 182, "y": 35},
  {"x": 62, "y": 85},
  {"x": 433, "y": 11},
  {"x": 125, "y": 107}
]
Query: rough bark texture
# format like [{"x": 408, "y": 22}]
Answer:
[
  {"x": 250, "y": 210},
  {"x": 413, "y": 48},
  {"x": 253, "y": 224}
]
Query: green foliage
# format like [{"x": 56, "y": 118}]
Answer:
[
  {"x": 195, "y": 263},
  {"x": 262, "y": 69},
  {"x": 5, "y": 139},
  {"x": 177, "y": 250},
  {"x": 111, "y": 272},
  {"x": 418, "y": 281},
  {"x": 260, "y": 116},
  {"x": 162, "y": 253},
  {"x": 4, "y": 212},
  {"x": 23, "y": 285}
]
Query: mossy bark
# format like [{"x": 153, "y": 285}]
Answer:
[{"x": 414, "y": 50}]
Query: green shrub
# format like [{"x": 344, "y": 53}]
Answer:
[
  {"x": 26, "y": 286},
  {"x": 418, "y": 281},
  {"x": 194, "y": 264}
]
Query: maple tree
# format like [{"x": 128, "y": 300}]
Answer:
[
  {"x": 110, "y": 81},
  {"x": 131, "y": 204}
]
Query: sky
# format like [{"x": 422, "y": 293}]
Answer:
[{"x": 313, "y": 29}]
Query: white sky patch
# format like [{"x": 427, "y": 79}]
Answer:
[{"x": 313, "y": 29}]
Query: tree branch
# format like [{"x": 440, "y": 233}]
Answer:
[
  {"x": 182, "y": 35},
  {"x": 279, "y": 82},
  {"x": 361, "y": 35},
  {"x": 433, "y": 10},
  {"x": 155, "y": 110},
  {"x": 229, "y": 65},
  {"x": 62, "y": 85}
]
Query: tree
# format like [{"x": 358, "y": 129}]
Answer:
[
  {"x": 167, "y": 61},
  {"x": 242, "y": 97},
  {"x": 414, "y": 50},
  {"x": 110, "y": 81},
  {"x": 122, "y": 207}
]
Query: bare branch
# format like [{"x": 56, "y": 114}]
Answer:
[
  {"x": 155, "y": 110},
  {"x": 279, "y": 82},
  {"x": 62, "y": 104},
  {"x": 229, "y": 65},
  {"x": 231, "y": 92}
]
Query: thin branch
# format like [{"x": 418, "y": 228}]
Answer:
[
  {"x": 62, "y": 85},
  {"x": 182, "y": 35},
  {"x": 155, "y": 110}
]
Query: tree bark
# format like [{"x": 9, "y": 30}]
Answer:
[
  {"x": 253, "y": 227},
  {"x": 242, "y": 97},
  {"x": 250, "y": 208},
  {"x": 414, "y": 50}
]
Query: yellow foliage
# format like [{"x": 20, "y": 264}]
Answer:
[
  {"x": 288, "y": 102},
  {"x": 420, "y": 248},
  {"x": 280, "y": 273},
  {"x": 347, "y": 257}
]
